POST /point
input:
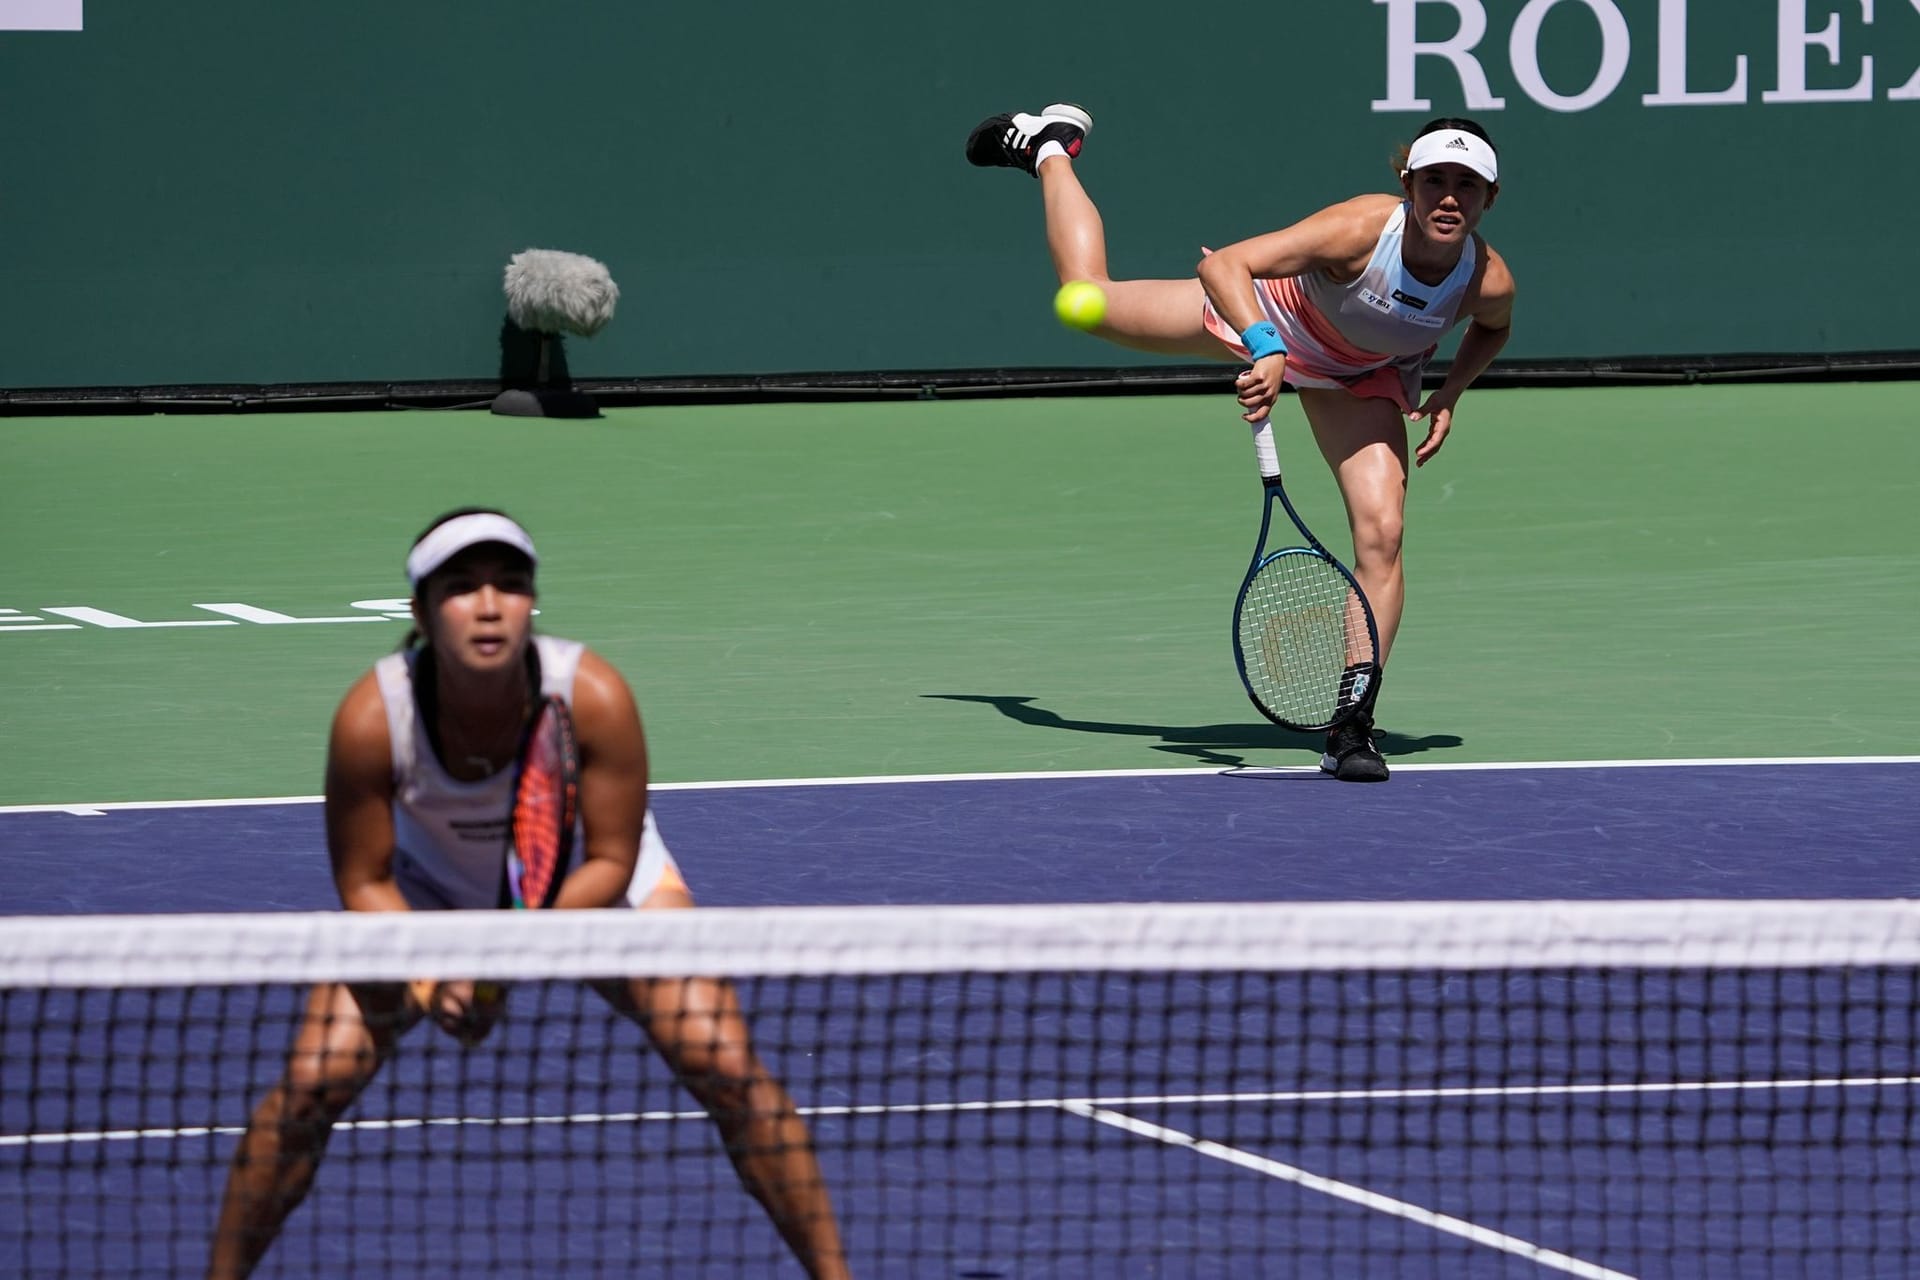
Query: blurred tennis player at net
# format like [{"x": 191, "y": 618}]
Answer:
[
  {"x": 1345, "y": 305},
  {"x": 421, "y": 776}
]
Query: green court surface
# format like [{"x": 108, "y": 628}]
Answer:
[{"x": 1684, "y": 572}]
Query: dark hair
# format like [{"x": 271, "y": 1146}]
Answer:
[
  {"x": 414, "y": 636},
  {"x": 1461, "y": 123}
]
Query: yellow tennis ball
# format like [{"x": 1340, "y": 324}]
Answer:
[{"x": 1080, "y": 304}]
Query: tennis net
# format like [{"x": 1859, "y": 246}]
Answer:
[{"x": 1645, "y": 1089}]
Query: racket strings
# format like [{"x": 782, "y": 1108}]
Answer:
[
  {"x": 545, "y": 808},
  {"x": 1302, "y": 626}
]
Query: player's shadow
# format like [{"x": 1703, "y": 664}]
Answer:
[{"x": 1208, "y": 743}]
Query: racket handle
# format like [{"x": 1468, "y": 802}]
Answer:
[{"x": 1264, "y": 450}]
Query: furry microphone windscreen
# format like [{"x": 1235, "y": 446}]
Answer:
[{"x": 549, "y": 291}]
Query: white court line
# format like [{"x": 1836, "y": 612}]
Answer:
[
  {"x": 116, "y": 806},
  {"x": 83, "y": 809},
  {"x": 1079, "y": 1106},
  {"x": 1098, "y": 1110},
  {"x": 1373, "y": 1200},
  {"x": 1272, "y": 1168}
]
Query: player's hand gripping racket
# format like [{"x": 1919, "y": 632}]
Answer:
[{"x": 1303, "y": 633}]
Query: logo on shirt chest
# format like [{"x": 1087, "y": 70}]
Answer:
[{"x": 1410, "y": 307}]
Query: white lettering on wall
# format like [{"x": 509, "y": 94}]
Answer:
[
  {"x": 39, "y": 15},
  {"x": 1673, "y": 91},
  {"x": 1910, "y": 91},
  {"x": 1404, "y": 51},
  {"x": 1795, "y": 42},
  {"x": 1616, "y": 50},
  {"x": 1408, "y": 56}
]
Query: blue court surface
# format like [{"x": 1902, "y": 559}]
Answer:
[
  {"x": 1386, "y": 1140},
  {"x": 1840, "y": 829}
]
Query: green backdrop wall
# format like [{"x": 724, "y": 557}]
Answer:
[{"x": 302, "y": 191}]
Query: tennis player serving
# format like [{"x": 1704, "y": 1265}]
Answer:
[
  {"x": 1345, "y": 305},
  {"x": 427, "y": 755}
]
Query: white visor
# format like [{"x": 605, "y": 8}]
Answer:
[
  {"x": 448, "y": 540},
  {"x": 1452, "y": 146}
]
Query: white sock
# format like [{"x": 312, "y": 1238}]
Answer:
[{"x": 1047, "y": 151}]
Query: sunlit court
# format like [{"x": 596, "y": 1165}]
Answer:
[{"x": 990, "y": 673}]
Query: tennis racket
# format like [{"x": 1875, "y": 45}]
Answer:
[
  {"x": 546, "y": 808},
  {"x": 1303, "y": 633},
  {"x": 540, "y": 827}
]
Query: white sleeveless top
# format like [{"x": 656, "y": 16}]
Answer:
[
  {"x": 1386, "y": 311},
  {"x": 450, "y": 835},
  {"x": 1372, "y": 336}
]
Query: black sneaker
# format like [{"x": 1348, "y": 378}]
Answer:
[
  {"x": 1011, "y": 141},
  {"x": 1351, "y": 755}
]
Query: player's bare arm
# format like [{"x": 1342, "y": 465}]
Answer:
[
  {"x": 1338, "y": 239},
  {"x": 1490, "y": 312},
  {"x": 1490, "y": 324},
  {"x": 359, "y": 805},
  {"x": 613, "y": 785}
]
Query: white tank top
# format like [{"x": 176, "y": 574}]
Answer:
[
  {"x": 1386, "y": 311},
  {"x": 450, "y": 835}
]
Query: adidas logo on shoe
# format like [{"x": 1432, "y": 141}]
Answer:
[{"x": 1013, "y": 140}]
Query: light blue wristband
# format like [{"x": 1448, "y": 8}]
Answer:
[{"x": 1263, "y": 340}]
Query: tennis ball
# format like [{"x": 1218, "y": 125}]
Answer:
[{"x": 1080, "y": 304}]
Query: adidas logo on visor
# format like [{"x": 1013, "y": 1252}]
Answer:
[{"x": 1453, "y": 147}]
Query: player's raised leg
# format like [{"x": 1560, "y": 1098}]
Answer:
[
  {"x": 1159, "y": 316},
  {"x": 344, "y": 1038}
]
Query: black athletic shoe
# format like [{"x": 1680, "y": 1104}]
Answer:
[
  {"x": 1351, "y": 755},
  {"x": 1011, "y": 141}
]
